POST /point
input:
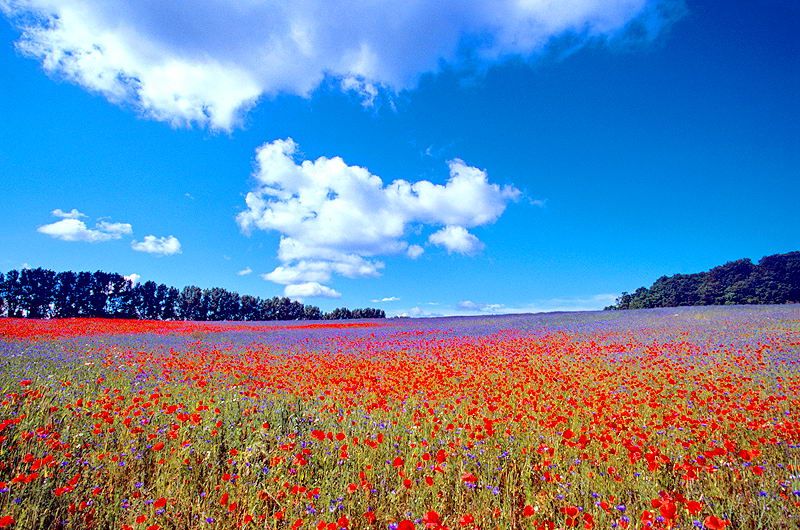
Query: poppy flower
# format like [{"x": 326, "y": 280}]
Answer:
[{"x": 715, "y": 523}]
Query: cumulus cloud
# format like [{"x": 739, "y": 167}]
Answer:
[
  {"x": 70, "y": 228},
  {"x": 160, "y": 246},
  {"x": 72, "y": 214},
  {"x": 133, "y": 278},
  {"x": 206, "y": 62},
  {"x": 335, "y": 218},
  {"x": 456, "y": 239},
  {"x": 245, "y": 271},
  {"x": 301, "y": 291}
]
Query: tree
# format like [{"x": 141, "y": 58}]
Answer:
[
  {"x": 775, "y": 280},
  {"x": 121, "y": 298},
  {"x": 37, "y": 287},
  {"x": 99, "y": 289},
  {"x": 718, "y": 279},
  {"x": 147, "y": 305},
  {"x": 12, "y": 293},
  {"x": 222, "y": 304},
  {"x": 368, "y": 312},
  {"x": 191, "y": 304},
  {"x": 41, "y": 293},
  {"x": 779, "y": 278},
  {"x": 169, "y": 311},
  {"x": 65, "y": 296},
  {"x": 340, "y": 313},
  {"x": 311, "y": 312},
  {"x": 249, "y": 308}
]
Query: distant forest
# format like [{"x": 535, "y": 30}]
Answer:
[
  {"x": 42, "y": 293},
  {"x": 774, "y": 280}
]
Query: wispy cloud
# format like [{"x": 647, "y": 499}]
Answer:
[
  {"x": 245, "y": 271},
  {"x": 469, "y": 307},
  {"x": 387, "y": 299},
  {"x": 72, "y": 214}
]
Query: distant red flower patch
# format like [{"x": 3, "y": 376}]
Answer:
[{"x": 35, "y": 329}]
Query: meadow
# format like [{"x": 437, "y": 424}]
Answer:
[{"x": 656, "y": 419}]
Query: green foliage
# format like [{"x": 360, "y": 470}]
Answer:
[{"x": 775, "y": 280}]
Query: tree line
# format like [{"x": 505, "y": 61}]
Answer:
[
  {"x": 42, "y": 293},
  {"x": 774, "y": 280}
]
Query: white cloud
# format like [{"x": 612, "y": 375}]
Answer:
[
  {"x": 456, "y": 239},
  {"x": 134, "y": 278},
  {"x": 310, "y": 290},
  {"x": 69, "y": 228},
  {"x": 206, "y": 62},
  {"x": 245, "y": 271},
  {"x": 335, "y": 218},
  {"x": 348, "y": 265},
  {"x": 387, "y": 299},
  {"x": 414, "y": 251},
  {"x": 160, "y": 246},
  {"x": 72, "y": 214}
]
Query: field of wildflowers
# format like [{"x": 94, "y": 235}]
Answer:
[{"x": 666, "y": 418}]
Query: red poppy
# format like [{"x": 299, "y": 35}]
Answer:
[{"x": 715, "y": 523}]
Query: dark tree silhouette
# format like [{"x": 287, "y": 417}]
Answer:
[
  {"x": 191, "y": 304},
  {"x": 36, "y": 288},
  {"x": 12, "y": 292},
  {"x": 41, "y": 293}
]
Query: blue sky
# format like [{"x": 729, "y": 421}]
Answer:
[{"x": 546, "y": 160}]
